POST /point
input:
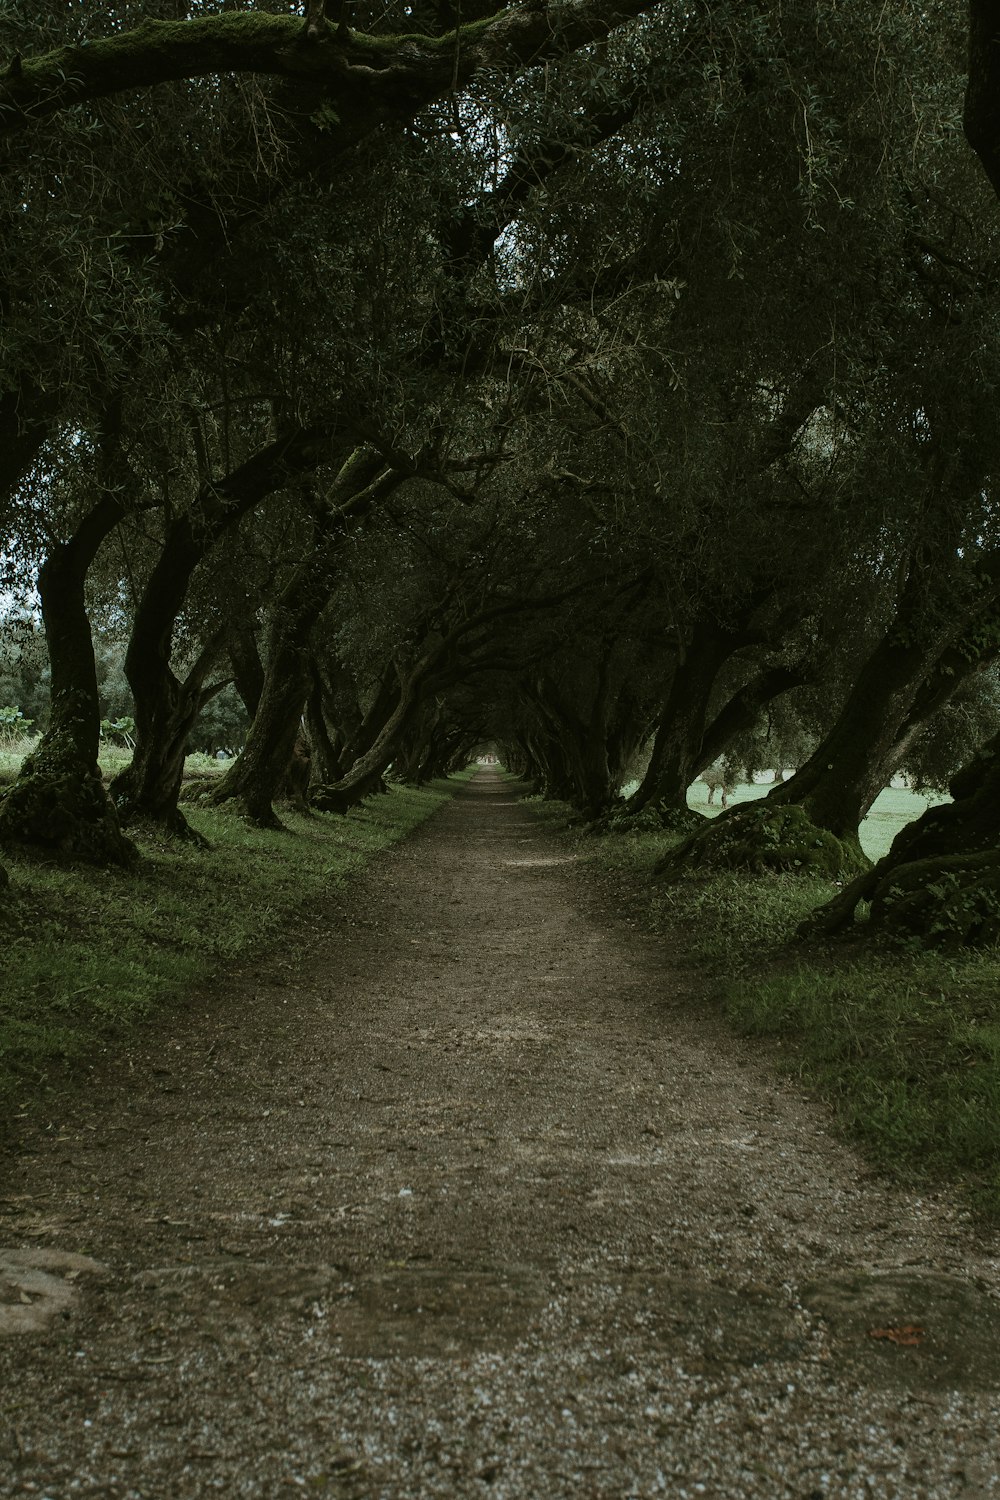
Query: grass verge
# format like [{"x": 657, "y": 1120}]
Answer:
[
  {"x": 87, "y": 954},
  {"x": 904, "y": 1043}
]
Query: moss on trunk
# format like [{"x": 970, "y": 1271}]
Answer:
[
  {"x": 951, "y": 901},
  {"x": 940, "y": 881},
  {"x": 758, "y": 837},
  {"x": 58, "y": 803}
]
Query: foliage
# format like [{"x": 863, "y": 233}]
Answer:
[
  {"x": 13, "y": 725},
  {"x": 947, "y": 901},
  {"x": 221, "y": 725},
  {"x": 120, "y": 731}
]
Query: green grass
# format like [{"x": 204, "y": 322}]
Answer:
[
  {"x": 87, "y": 954},
  {"x": 907, "y": 1047},
  {"x": 904, "y": 1043}
]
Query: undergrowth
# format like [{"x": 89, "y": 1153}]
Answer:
[
  {"x": 88, "y": 953},
  {"x": 903, "y": 1042}
]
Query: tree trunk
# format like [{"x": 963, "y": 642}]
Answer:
[
  {"x": 58, "y": 801},
  {"x": 365, "y": 775},
  {"x": 294, "y": 788},
  {"x": 368, "y": 769},
  {"x": 940, "y": 881},
  {"x": 743, "y": 709},
  {"x": 680, "y": 729},
  {"x": 165, "y": 707},
  {"x": 982, "y": 97},
  {"x": 248, "y": 669},
  {"x": 323, "y": 752},
  {"x": 256, "y": 777},
  {"x": 841, "y": 779}
]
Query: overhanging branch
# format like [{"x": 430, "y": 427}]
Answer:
[{"x": 367, "y": 79}]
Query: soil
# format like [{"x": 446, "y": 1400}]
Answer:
[{"x": 475, "y": 1196}]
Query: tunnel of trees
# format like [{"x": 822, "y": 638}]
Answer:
[{"x": 610, "y": 381}]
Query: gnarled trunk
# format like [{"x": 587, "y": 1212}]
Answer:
[
  {"x": 841, "y": 779},
  {"x": 366, "y": 773},
  {"x": 165, "y": 707},
  {"x": 257, "y": 776},
  {"x": 940, "y": 881},
  {"x": 901, "y": 685}
]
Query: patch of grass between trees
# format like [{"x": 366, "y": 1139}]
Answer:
[
  {"x": 903, "y": 1042},
  {"x": 90, "y": 953}
]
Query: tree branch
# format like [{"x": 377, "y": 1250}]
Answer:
[{"x": 368, "y": 79}]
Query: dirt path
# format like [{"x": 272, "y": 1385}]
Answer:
[{"x": 475, "y": 1203}]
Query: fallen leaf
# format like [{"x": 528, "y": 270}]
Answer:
[{"x": 907, "y": 1334}]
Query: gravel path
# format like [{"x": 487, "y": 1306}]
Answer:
[{"x": 473, "y": 1200}]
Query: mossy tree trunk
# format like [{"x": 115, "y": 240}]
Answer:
[
  {"x": 166, "y": 706},
  {"x": 911, "y": 672},
  {"x": 940, "y": 881},
  {"x": 324, "y": 765},
  {"x": 366, "y": 772},
  {"x": 546, "y": 764},
  {"x": 841, "y": 779},
  {"x": 584, "y": 732},
  {"x": 575, "y": 747},
  {"x": 368, "y": 80},
  {"x": 58, "y": 801},
  {"x": 417, "y": 750},
  {"x": 356, "y": 733},
  {"x": 257, "y": 776}
]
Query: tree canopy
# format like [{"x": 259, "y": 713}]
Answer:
[{"x": 598, "y": 381}]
